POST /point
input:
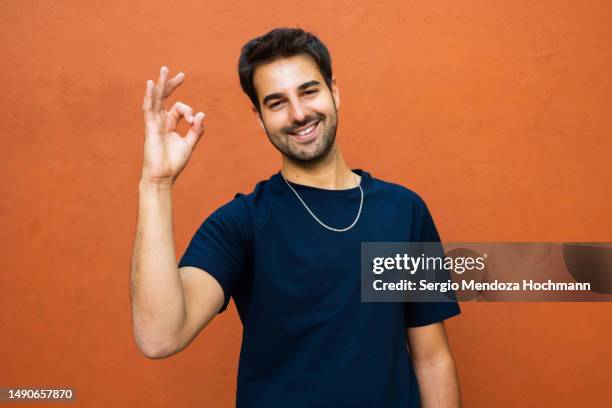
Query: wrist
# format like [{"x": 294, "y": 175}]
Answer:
[{"x": 147, "y": 184}]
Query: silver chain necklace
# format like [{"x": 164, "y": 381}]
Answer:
[{"x": 321, "y": 222}]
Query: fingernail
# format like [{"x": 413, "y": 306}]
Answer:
[{"x": 163, "y": 70}]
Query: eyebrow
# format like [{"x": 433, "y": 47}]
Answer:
[{"x": 300, "y": 88}]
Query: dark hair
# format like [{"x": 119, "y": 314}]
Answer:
[{"x": 280, "y": 43}]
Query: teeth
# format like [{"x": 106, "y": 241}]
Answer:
[{"x": 306, "y": 131}]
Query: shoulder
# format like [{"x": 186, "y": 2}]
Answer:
[
  {"x": 242, "y": 201},
  {"x": 247, "y": 207},
  {"x": 398, "y": 194},
  {"x": 410, "y": 205}
]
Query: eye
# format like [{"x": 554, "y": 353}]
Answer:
[
  {"x": 311, "y": 91},
  {"x": 275, "y": 104}
]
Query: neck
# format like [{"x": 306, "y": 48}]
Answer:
[{"x": 331, "y": 173}]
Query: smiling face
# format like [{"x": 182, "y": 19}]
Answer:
[{"x": 293, "y": 97}]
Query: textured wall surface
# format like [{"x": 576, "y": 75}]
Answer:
[{"x": 496, "y": 113}]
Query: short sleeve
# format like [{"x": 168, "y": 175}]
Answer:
[
  {"x": 424, "y": 313},
  {"x": 221, "y": 246}
]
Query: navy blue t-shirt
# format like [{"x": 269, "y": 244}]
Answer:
[{"x": 308, "y": 340}]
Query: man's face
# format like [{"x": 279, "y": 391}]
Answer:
[{"x": 293, "y": 96}]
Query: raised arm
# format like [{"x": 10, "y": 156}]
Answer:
[{"x": 169, "y": 306}]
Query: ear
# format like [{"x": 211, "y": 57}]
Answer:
[
  {"x": 335, "y": 93},
  {"x": 258, "y": 116}
]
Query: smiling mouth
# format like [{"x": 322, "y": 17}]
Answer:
[{"x": 305, "y": 132}]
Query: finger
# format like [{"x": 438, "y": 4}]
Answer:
[
  {"x": 158, "y": 95},
  {"x": 179, "y": 110},
  {"x": 148, "y": 100},
  {"x": 173, "y": 83},
  {"x": 196, "y": 130},
  {"x": 170, "y": 85}
]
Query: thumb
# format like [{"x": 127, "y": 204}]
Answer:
[{"x": 196, "y": 130}]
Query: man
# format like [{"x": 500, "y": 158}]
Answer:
[{"x": 288, "y": 252}]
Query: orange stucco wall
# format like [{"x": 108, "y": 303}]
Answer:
[{"x": 496, "y": 113}]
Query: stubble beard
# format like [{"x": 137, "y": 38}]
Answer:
[{"x": 303, "y": 154}]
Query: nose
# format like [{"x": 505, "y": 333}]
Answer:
[{"x": 297, "y": 112}]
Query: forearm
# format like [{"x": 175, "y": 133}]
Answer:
[
  {"x": 438, "y": 383},
  {"x": 158, "y": 305}
]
